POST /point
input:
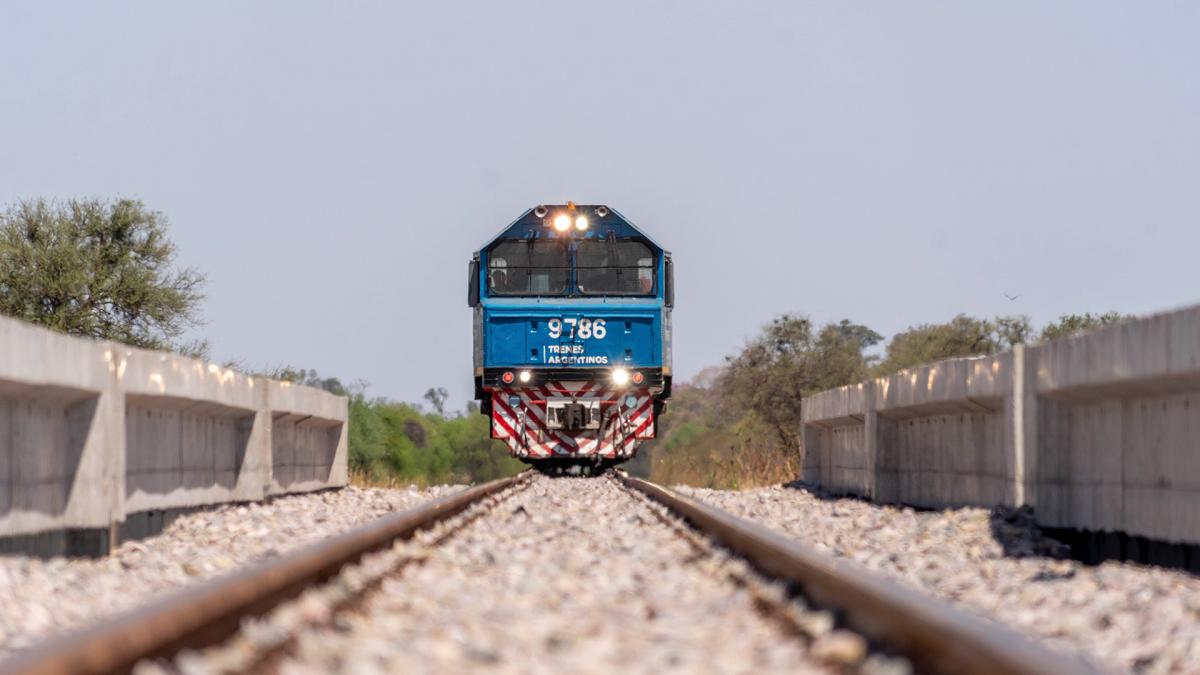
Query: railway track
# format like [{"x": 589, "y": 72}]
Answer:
[{"x": 614, "y": 567}]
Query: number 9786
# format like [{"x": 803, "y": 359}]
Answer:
[{"x": 584, "y": 329}]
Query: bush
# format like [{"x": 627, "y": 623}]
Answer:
[{"x": 391, "y": 441}]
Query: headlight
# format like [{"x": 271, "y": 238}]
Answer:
[
  {"x": 620, "y": 377},
  {"x": 507, "y": 377},
  {"x": 562, "y": 222},
  {"x": 581, "y": 223},
  {"x": 638, "y": 378},
  {"x": 525, "y": 376}
]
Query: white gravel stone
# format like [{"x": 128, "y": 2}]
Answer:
[
  {"x": 38, "y": 597},
  {"x": 568, "y": 575},
  {"x": 1122, "y": 616}
]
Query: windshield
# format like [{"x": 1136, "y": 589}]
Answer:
[
  {"x": 528, "y": 268},
  {"x": 615, "y": 267}
]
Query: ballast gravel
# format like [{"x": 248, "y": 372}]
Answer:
[
  {"x": 565, "y": 575},
  {"x": 1122, "y": 616},
  {"x": 39, "y": 597}
]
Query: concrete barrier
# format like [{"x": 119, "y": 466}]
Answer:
[
  {"x": 95, "y": 434},
  {"x": 1099, "y": 432}
]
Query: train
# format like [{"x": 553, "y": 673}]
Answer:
[{"x": 572, "y": 336}]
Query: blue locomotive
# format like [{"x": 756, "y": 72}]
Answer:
[{"x": 572, "y": 331}]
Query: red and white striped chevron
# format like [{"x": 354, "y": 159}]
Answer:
[{"x": 523, "y": 426}]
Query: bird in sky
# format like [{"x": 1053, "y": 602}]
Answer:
[{"x": 1012, "y": 297}]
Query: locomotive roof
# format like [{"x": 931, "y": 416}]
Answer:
[{"x": 529, "y": 224}]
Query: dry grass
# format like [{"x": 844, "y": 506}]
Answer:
[
  {"x": 726, "y": 459},
  {"x": 366, "y": 479}
]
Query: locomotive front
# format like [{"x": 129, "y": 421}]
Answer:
[{"x": 572, "y": 335}]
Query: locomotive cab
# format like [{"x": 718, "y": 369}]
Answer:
[{"x": 572, "y": 308}]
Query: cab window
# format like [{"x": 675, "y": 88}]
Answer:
[
  {"x": 528, "y": 268},
  {"x": 615, "y": 267}
]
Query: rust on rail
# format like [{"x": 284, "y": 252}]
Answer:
[
  {"x": 210, "y": 612},
  {"x": 934, "y": 635}
]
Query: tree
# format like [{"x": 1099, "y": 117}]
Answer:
[
  {"x": 961, "y": 336},
  {"x": 1013, "y": 330},
  {"x": 437, "y": 399},
  {"x": 859, "y": 333},
  {"x": 1074, "y": 324},
  {"x": 789, "y": 360},
  {"x": 308, "y": 378},
  {"x": 98, "y": 269}
]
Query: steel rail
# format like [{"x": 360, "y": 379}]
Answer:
[
  {"x": 934, "y": 635},
  {"x": 210, "y": 612}
]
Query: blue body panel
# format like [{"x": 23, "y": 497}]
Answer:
[{"x": 569, "y": 335}]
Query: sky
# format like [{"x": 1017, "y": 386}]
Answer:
[{"x": 331, "y": 166}]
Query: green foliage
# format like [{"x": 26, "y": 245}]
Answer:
[
  {"x": 968, "y": 336},
  {"x": 97, "y": 269},
  {"x": 1068, "y": 325},
  {"x": 701, "y": 444},
  {"x": 1013, "y": 330},
  {"x": 394, "y": 442},
  {"x": 788, "y": 360},
  {"x": 308, "y": 378},
  {"x": 865, "y": 337},
  {"x": 398, "y": 441},
  {"x": 741, "y": 427},
  {"x": 961, "y": 336}
]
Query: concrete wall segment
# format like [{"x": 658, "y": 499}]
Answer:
[
  {"x": 1156, "y": 354},
  {"x": 59, "y": 400},
  {"x": 36, "y": 356},
  {"x": 143, "y": 372},
  {"x": 298, "y": 399},
  {"x": 92, "y": 431},
  {"x": 1099, "y": 432},
  {"x": 845, "y": 404},
  {"x": 967, "y": 384},
  {"x": 309, "y": 438}
]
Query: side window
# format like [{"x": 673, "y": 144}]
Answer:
[
  {"x": 473, "y": 284},
  {"x": 669, "y": 291}
]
